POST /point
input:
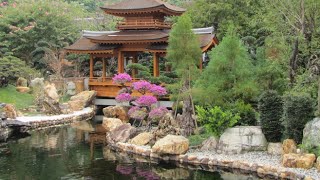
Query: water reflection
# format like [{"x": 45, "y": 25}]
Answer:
[{"x": 79, "y": 152}]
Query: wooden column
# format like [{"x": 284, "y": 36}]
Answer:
[
  {"x": 134, "y": 60},
  {"x": 200, "y": 64},
  {"x": 120, "y": 62},
  {"x": 155, "y": 65},
  {"x": 91, "y": 66},
  {"x": 103, "y": 68}
]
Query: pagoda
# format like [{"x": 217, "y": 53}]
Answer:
[{"x": 143, "y": 29}]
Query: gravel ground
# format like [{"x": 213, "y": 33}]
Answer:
[{"x": 257, "y": 157}]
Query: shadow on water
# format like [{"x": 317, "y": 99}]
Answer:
[{"x": 78, "y": 152}]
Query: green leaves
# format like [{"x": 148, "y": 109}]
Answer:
[
  {"x": 216, "y": 120},
  {"x": 228, "y": 76}
]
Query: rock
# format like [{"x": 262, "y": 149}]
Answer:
[
  {"x": 289, "y": 146},
  {"x": 171, "y": 144},
  {"x": 293, "y": 160},
  {"x": 275, "y": 148},
  {"x": 81, "y": 100},
  {"x": 22, "y": 89},
  {"x": 210, "y": 144},
  {"x": 37, "y": 82},
  {"x": 119, "y": 112},
  {"x": 142, "y": 139},
  {"x": 318, "y": 164},
  {"x": 71, "y": 88},
  {"x": 51, "y": 100},
  {"x": 242, "y": 139},
  {"x": 311, "y": 135},
  {"x": 51, "y": 92},
  {"x": 121, "y": 133},
  {"x": 10, "y": 111},
  {"x": 22, "y": 82},
  {"x": 111, "y": 123},
  {"x": 167, "y": 125}
]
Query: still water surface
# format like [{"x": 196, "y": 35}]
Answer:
[{"x": 73, "y": 152}]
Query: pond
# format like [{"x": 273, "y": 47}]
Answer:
[{"x": 73, "y": 152}]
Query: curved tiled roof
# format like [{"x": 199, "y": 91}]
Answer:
[
  {"x": 132, "y": 36},
  {"x": 130, "y": 6},
  {"x": 84, "y": 45}
]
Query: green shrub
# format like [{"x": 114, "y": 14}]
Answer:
[
  {"x": 246, "y": 113},
  {"x": 216, "y": 120},
  {"x": 270, "y": 109},
  {"x": 297, "y": 111}
]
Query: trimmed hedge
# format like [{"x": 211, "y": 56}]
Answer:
[
  {"x": 297, "y": 111},
  {"x": 271, "y": 108}
]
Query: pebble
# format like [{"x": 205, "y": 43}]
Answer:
[{"x": 261, "y": 158}]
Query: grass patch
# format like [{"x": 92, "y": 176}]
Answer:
[
  {"x": 197, "y": 139},
  {"x": 11, "y": 96}
]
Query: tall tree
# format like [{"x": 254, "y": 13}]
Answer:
[
  {"x": 184, "y": 53},
  {"x": 228, "y": 76}
]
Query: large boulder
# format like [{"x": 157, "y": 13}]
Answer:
[
  {"x": 171, "y": 144},
  {"x": 210, "y": 144},
  {"x": 289, "y": 146},
  {"x": 111, "y": 123},
  {"x": 311, "y": 135},
  {"x": 51, "y": 100},
  {"x": 81, "y": 100},
  {"x": 293, "y": 160},
  {"x": 275, "y": 148},
  {"x": 167, "y": 125},
  {"x": 119, "y": 112},
  {"x": 242, "y": 139},
  {"x": 10, "y": 111},
  {"x": 51, "y": 92},
  {"x": 142, "y": 139},
  {"x": 121, "y": 133}
]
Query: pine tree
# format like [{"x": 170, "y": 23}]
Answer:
[
  {"x": 228, "y": 76},
  {"x": 184, "y": 53}
]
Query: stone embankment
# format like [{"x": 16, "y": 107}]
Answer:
[
  {"x": 249, "y": 156},
  {"x": 41, "y": 122},
  {"x": 259, "y": 163}
]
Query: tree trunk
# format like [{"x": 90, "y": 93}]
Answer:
[
  {"x": 186, "y": 120},
  {"x": 293, "y": 62}
]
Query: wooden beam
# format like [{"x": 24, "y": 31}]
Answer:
[
  {"x": 91, "y": 66},
  {"x": 103, "y": 67},
  {"x": 134, "y": 60},
  {"x": 156, "y": 65}
]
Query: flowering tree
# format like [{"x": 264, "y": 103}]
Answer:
[{"x": 146, "y": 107}]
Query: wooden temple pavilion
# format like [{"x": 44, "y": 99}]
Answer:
[{"x": 143, "y": 29}]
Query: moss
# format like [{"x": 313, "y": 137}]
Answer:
[
  {"x": 11, "y": 96},
  {"x": 197, "y": 139}
]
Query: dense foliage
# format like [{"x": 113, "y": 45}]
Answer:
[
  {"x": 270, "y": 109},
  {"x": 228, "y": 76},
  {"x": 298, "y": 109},
  {"x": 12, "y": 68},
  {"x": 215, "y": 120}
]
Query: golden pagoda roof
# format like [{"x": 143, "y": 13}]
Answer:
[{"x": 142, "y": 6}]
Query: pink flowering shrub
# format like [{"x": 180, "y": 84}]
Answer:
[
  {"x": 142, "y": 86},
  {"x": 121, "y": 78},
  {"x": 123, "y": 97},
  {"x": 138, "y": 113},
  {"x": 146, "y": 100},
  {"x": 158, "y": 90},
  {"x": 158, "y": 113}
]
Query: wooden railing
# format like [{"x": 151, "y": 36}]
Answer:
[{"x": 143, "y": 25}]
